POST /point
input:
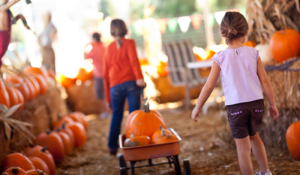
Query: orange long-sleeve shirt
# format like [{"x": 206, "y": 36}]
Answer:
[{"x": 120, "y": 65}]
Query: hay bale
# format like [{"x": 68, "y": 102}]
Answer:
[
  {"x": 39, "y": 112},
  {"x": 82, "y": 98},
  {"x": 273, "y": 133}
]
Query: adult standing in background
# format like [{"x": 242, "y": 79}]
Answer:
[
  {"x": 123, "y": 79},
  {"x": 45, "y": 41},
  {"x": 95, "y": 51}
]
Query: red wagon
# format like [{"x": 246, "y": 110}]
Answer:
[{"x": 169, "y": 150}]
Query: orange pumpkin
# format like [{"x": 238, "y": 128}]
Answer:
[
  {"x": 293, "y": 140},
  {"x": 4, "y": 96},
  {"x": 13, "y": 97},
  {"x": 66, "y": 81},
  {"x": 60, "y": 120},
  {"x": 210, "y": 54},
  {"x": 30, "y": 87},
  {"x": 16, "y": 160},
  {"x": 78, "y": 132},
  {"x": 66, "y": 140},
  {"x": 36, "y": 172},
  {"x": 285, "y": 44},
  {"x": 14, "y": 171},
  {"x": 78, "y": 117},
  {"x": 35, "y": 70},
  {"x": 84, "y": 75},
  {"x": 20, "y": 98},
  {"x": 42, "y": 83},
  {"x": 250, "y": 43},
  {"x": 137, "y": 141},
  {"x": 54, "y": 143},
  {"x": 144, "y": 123},
  {"x": 20, "y": 85},
  {"x": 69, "y": 132},
  {"x": 44, "y": 154},
  {"x": 39, "y": 164},
  {"x": 158, "y": 133},
  {"x": 164, "y": 137},
  {"x": 35, "y": 84}
]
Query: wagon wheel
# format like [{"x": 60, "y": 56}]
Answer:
[
  {"x": 177, "y": 165},
  {"x": 186, "y": 167},
  {"x": 123, "y": 166}
]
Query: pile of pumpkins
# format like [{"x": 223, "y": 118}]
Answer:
[
  {"x": 145, "y": 127},
  {"x": 83, "y": 75},
  {"x": 284, "y": 44},
  {"x": 51, "y": 146},
  {"x": 17, "y": 89}
]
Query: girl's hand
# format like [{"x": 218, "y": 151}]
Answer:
[
  {"x": 141, "y": 83},
  {"x": 274, "y": 112},
  {"x": 195, "y": 113}
]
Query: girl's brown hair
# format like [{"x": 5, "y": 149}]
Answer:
[
  {"x": 233, "y": 26},
  {"x": 118, "y": 29}
]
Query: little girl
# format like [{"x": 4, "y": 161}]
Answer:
[{"x": 243, "y": 75}]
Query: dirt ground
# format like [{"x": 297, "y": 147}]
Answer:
[{"x": 206, "y": 144}]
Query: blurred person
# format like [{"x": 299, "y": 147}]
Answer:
[
  {"x": 95, "y": 51},
  {"x": 243, "y": 78},
  {"x": 123, "y": 79},
  {"x": 45, "y": 40}
]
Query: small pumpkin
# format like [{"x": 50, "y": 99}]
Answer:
[
  {"x": 42, "y": 83},
  {"x": 137, "y": 141},
  {"x": 79, "y": 117},
  {"x": 36, "y": 172},
  {"x": 84, "y": 75},
  {"x": 44, "y": 154},
  {"x": 250, "y": 43},
  {"x": 16, "y": 160},
  {"x": 66, "y": 140},
  {"x": 69, "y": 132},
  {"x": 158, "y": 133},
  {"x": 60, "y": 120},
  {"x": 14, "y": 171},
  {"x": 79, "y": 133},
  {"x": 13, "y": 97},
  {"x": 66, "y": 81},
  {"x": 39, "y": 164},
  {"x": 54, "y": 143},
  {"x": 264, "y": 51},
  {"x": 37, "y": 70},
  {"x": 4, "y": 96},
  {"x": 20, "y": 85},
  {"x": 20, "y": 98},
  {"x": 285, "y": 44},
  {"x": 164, "y": 138},
  {"x": 30, "y": 87},
  {"x": 144, "y": 123},
  {"x": 35, "y": 84},
  {"x": 293, "y": 140}
]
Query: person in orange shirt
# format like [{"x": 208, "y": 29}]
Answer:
[
  {"x": 95, "y": 51},
  {"x": 123, "y": 79}
]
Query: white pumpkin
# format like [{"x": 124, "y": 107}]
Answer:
[{"x": 264, "y": 51}]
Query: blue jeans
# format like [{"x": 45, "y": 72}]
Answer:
[{"x": 118, "y": 95}]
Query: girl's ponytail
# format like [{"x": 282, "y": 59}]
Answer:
[
  {"x": 118, "y": 29},
  {"x": 119, "y": 42}
]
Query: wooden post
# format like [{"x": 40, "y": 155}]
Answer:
[{"x": 208, "y": 29}]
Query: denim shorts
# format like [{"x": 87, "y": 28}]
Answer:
[{"x": 245, "y": 118}]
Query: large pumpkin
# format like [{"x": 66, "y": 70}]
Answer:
[
  {"x": 17, "y": 160},
  {"x": 285, "y": 44},
  {"x": 79, "y": 133},
  {"x": 44, "y": 154},
  {"x": 4, "y": 96},
  {"x": 14, "y": 171},
  {"x": 20, "y": 85},
  {"x": 54, "y": 143},
  {"x": 144, "y": 123},
  {"x": 35, "y": 70},
  {"x": 39, "y": 164},
  {"x": 13, "y": 97},
  {"x": 78, "y": 117},
  {"x": 293, "y": 140}
]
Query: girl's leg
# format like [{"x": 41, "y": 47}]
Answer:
[
  {"x": 117, "y": 103},
  {"x": 133, "y": 96},
  {"x": 259, "y": 152},
  {"x": 244, "y": 155}
]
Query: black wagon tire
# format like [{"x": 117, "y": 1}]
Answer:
[
  {"x": 186, "y": 167},
  {"x": 123, "y": 166}
]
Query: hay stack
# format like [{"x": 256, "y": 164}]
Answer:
[
  {"x": 82, "y": 98},
  {"x": 39, "y": 112}
]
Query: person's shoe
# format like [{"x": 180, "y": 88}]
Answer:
[
  {"x": 267, "y": 173},
  {"x": 113, "y": 152},
  {"x": 104, "y": 115}
]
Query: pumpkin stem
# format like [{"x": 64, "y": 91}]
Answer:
[
  {"x": 143, "y": 104},
  {"x": 57, "y": 129},
  {"x": 64, "y": 125},
  {"x": 163, "y": 132},
  {"x": 48, "y": 131},
  {"x": 59, "y": 117},
  {"x": 15, "y": 170},
  {"x": 44, "y": 149},
  {"x": 147, "y": 108},
  {"x": 41, "y": 172}
]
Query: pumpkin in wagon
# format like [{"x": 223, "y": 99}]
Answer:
[
  {"x": 163, "y": 137},
  {"x": 136, "y": 141}
]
